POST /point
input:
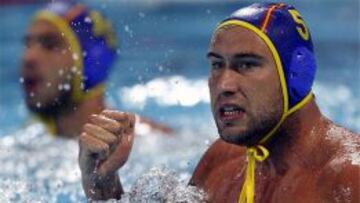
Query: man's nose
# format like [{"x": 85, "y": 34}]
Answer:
[
  {"x": 31, "y": 55},
  {"x": 227, "y": 83}
]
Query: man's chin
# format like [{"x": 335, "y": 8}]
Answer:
[
  {"x": 36, "y": 108},
  {"x": 240, "y": 136},
  {"x": 42, "y": 108},
  {"x": 234, "y": 138}
]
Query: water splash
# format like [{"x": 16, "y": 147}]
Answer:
[
  {"x": 168, "y": 91},
  {"x": 40, "y": 167},
  {"x": 162, "y": 185},
  {"x": 43, "y": 168}
]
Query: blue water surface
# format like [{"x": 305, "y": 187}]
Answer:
[
  {"x": 164, "y": 44},
  {"x": 166, "y": 38}
]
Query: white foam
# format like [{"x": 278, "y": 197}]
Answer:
[
  {"x": 47, "y": 169},
  {"x": 44, "y": 167},
  {"x": 338, "y": 102},
  {"x": 162, "y": 185},
  {"x": 168, "y": 91}
]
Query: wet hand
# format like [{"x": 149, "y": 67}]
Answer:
[{"x": 105, "y": 144}]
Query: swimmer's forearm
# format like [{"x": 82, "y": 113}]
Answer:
[{"x": 108, "y": 188}]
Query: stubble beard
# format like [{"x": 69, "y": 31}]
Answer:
[
  {"x": 58, "y": 106},
  {"x": 259, "y": 125}
]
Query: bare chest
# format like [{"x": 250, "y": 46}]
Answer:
[{"x": 224, "y": 185}]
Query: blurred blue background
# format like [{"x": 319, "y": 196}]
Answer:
[
  {"x": 165, "y": 42},
  {"x": 161, "y": 73}
]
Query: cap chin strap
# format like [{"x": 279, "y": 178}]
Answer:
[
  {"x": 247, "y": 193},
  {"x": 248, "y": 190}
]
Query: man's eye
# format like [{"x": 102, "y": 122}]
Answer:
[
  {"x": 49, "y": 43},
  {"x": 247, "y": 65},
  {"x": 216, "y": 65}
]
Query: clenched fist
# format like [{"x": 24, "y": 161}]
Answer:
[{"x": 105, "y": 145}]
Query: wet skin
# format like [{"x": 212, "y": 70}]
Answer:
[
  {"x": 46, "y": 64},
  {"x": 301, "y": 157},
  {"x": 303, "y": 171},
  {"x": 306, "y": 163},
  {"x": 244, "y": 85}
]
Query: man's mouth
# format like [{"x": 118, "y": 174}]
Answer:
[
  {"x": 31, "y": 84},
  {"x": 230, "y": 112}
]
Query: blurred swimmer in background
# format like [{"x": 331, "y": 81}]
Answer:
[
  {"x": 70, "y": 50},
  {"x": 275, "y": 145},
  {"x": 69, "y": 54}
]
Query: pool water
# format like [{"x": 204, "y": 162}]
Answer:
[{"x": 161, "y": 73}]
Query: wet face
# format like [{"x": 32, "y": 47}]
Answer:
[
  {"x": 245, "y": 90},
  {"x": 46, "y": 68}
]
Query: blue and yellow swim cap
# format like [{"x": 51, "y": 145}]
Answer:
[
  {"x": 285, "y": 33},
  {"x": 92, "y": 42}
]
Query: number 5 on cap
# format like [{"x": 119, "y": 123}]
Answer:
[{"x": 301, "y": 27}]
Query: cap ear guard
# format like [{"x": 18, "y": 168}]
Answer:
[
  {"x": 92, "y": 41},
  {"x": 301, "y": 75}
]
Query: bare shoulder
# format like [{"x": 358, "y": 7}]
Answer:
[
  {"x": 218, "y": 154},
  {"x": 340, "y": 177}
]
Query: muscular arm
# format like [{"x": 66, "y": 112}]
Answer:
[
  {"x": 340, "y": 181},
  {"x": 340, "y": 178},
  {"x": 343, "y": 185}
]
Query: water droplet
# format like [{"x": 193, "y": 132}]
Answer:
[
  {"x": 66, "y": 87},
  {"x": 73, "y": 69},
  {"x": 299, "y": 55},
  {"x": 141, "y": 14},
  {"x": 75, "y": 56},
  {"x": 87, "y": 19},
  {"x": 126, "y": 28}
]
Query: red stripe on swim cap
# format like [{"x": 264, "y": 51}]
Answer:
[
  {"x": 74, "y": 12},
  {"x": 268, "y": 16}
]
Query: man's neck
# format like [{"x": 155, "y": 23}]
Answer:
[
  {"x": 70, "y": 124},
  {"x": 297, "y": 139}
]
